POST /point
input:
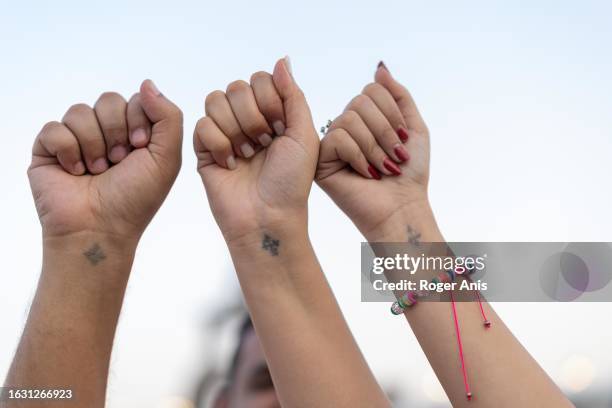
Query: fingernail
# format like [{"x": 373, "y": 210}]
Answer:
[
  {"x": 392, "y": 167},
  {"x": 154, "y": 88},
  {"x": 230, "y": 162},
  {"x": 400, "y": 152},
  {"x": 402, "y": 134},
  {"x": 265, "y": 139},
  {"x": 381, "y": 64},
  {"x": 279, "y": 128},
  {"x": 373, "y": 172},
  {"x": 138, "y": 138},
  {"x": 247, "y": 150},
  {"x": 79, "y": 168},
  {"x": 100, "y": 165},
  {"x": 288, "y": 65},
  {"x": 118, "y": 153}
]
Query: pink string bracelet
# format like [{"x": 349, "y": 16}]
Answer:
[{"x": 409, "y": 299}]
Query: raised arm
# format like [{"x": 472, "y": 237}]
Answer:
[
  {"x": 257, "y": 152},
  {"x": 374, "y": 164},
  {"x": 97, "y": 178}
]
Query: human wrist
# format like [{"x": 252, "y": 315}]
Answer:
[
  {"x": 72, "y": 242},
  {"x": 275, "y": 266},
  {"x": 272, "y": 252},
  {"x": 413, "y": 221},
  {"x": 272, "y": 240},
  {"x": 286, "y": 224},
  {"x": 108, "y": 253},
  {"x": 67, "y": 240}
]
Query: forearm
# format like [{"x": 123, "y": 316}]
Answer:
[
  {"x": 69, "y": 333},
  {"x": 499, "y": 368},
  {"x": 313, "y": 358}
]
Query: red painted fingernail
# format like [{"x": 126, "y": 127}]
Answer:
[
  {"x": 403, "y": 134},
  {"x": 373, "y": 172},
  {"x": 392, "y": 167},
  {"x": 401, "y": 153}
]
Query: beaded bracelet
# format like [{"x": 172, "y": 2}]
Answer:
[
  {"x": 410, "y": 298},
  {"x": 406, "y": 300}
]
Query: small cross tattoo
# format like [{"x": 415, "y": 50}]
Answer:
[
  {"x": 94, "y": 254},
  {"x": 270, "y": 245},
  {"x": 414, "y": 237}
]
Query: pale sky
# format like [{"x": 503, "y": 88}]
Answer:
[{"x": 517, "y": 98}]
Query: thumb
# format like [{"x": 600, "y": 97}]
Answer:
[
  {"x": 297, "y": 113},
  {"x": 167, "y": 120},
  {"x": 402, "y": 97}
]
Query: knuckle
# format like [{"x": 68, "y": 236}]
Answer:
[
  {"x": 260, "y": 76},
  {"x": 214, "y": 98},
  {"x": 135, "y": 97},
  {"x": 198, "y": 133},
  {"x": 373, "y": 149},
  {"x": 348, "y": 118},
  {"x": 66, "y": 145},
  {"x": 253, "y": 129},
  {"x": 334, "y": 137},
  {"x": 360, "y": 101},
  {"x": 115, "y": 129},
  {"x": 110, "y": 97},
  {"x": 202, "y": 124},
  {"x": 115, "y": 132},
  {"x": 113, "y": 123},
  {"x": 50, "y": 127},
  {"x": 237, "y": 86},
  {"x": 329, "y": 142},
  {"x": 354, "y": 153},
  {"x": 79, "y": 109},
  {"x": 219, "y": 145},
  {"x": 204, "y": 137},
  {"x": 270, "y": 106},
  {"x": 371, "y": 88}
]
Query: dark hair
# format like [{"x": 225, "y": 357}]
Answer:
[{"x": 245, "y": 328}]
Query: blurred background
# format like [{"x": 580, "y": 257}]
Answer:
[{"x": 518, "y": 100}]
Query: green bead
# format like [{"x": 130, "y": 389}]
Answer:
[{"x": 401, "y": 303}]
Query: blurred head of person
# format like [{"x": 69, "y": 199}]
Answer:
[{"x": 249, "y": 384}]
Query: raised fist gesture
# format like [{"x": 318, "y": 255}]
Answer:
[
  {"x": 374, "y": 160},
  {"x": 257, "y": 153},
  {"x": 107, "y": 169}
]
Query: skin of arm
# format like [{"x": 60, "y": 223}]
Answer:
[
  {"x": 307, "y": 343},
  {"x": 500, "y": 369},
  {"x": 395, "y": 207},
  {"x": 69, "y": 333},
  {"x": 259, "y": 199},
  {"x": 97, "y": 178}
]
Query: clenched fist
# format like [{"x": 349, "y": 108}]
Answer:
[
  {"x": 257, "y": 152},
  {"x": 107, "y": 169},
  {"x": 374, "y": 160}
]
